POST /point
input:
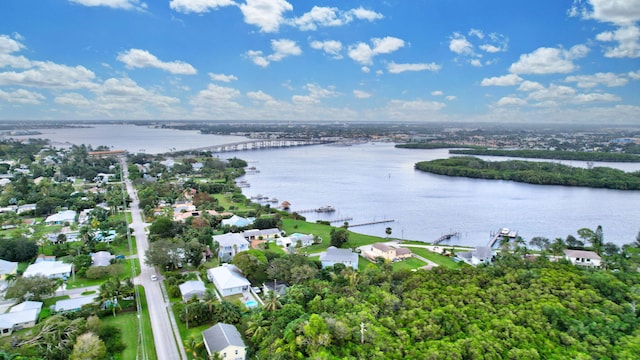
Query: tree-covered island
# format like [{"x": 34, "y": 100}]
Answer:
[
  {"x": 551, "y": 154},
  {"x": 542, "y": 173}
]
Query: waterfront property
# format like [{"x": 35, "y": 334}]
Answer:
[
  {"x": 333, "y": 256},
  {"x": 479, "y": 255},
  {"x": 583, "y": 258},
  {"x": 388, "y": 252},
  {"x": 225, "y": 340}
]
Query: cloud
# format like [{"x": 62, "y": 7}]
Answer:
[
  {"x": 136, "y": 58},
  {"x": 73, "y": 99},
  {"x": 222, "y": 77},
  {"x": 477, "y": 33},
  {"x": 549, "y": 60},
  {"x": 266, "y": 14},
  {"x": 394, "y": 68},
  {"x": 530, "y": 86},
  {"x": 459, "y": 44},
  {"x": 282, "y": 48},
  {"x": 7, "y": 47},
  {"x": 118, "y": 92},
  {"x": 259, "y": 96},
  {"x": 635, "y": 75},
  {"x": 364, "y": 54},
  {"x": 628, "y": 39},
  {"x": 619, "y": 12},
  {"x": 330, "y": 47},
  {"x": 437, "y": 93},
  {"x": 198, "y": 6},
  {"x": 114, "y": 4},
  {"x": 416, "y": 109},
  {"x": 511, "y": 101},
  {"x": 361, "y": 94},
  {"x": 330, "y": 16},
  {"x": 506, "y": 80},
  {"x": 316, "y": 93},
  {"x": 607, "y": 79},
  {"x": 216, "y": 97},
  {"x": 45, "y": 74},
  {"x": 450, "y": 97},
  {"x": 21, "y": 96}
]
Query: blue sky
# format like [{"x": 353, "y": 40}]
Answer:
[{"x": 546, "y": 61}]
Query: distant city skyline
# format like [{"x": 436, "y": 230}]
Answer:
[{"x": 447, "y": 61}]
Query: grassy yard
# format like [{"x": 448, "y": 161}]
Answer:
[
  {"x": 126, "y": 272},
  {"x": 128, "y": 324},
  {"x": 436, "y": 258},
  {"x": 324, "y": 231},
  {"x": 408, "y": 264}
]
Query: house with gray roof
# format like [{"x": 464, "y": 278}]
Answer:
[
  {"x": 101, "y": 258},
  {"x": 73, "y": 304},
  {"x": 192, "y": 288},
  {"x": 334, "y": 255},
  {"x": 50, "y": 269},
  {"x": 230, "y": 244},
  {"x": 480, "y": 255},
  {"x": 225, "y": 340},
  {"x": 583, "y": 258},
  {"x": 61, "y": 218},
  {"x": 237, "y": 221}
]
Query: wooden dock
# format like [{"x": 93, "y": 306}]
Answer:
[
  {"x": 446, "y": 237},
  {"x": 372, "y": 223},
  {"x": 341, "y": 220},
  {"x": 502, "y": 233}
]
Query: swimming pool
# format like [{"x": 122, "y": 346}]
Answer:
[{"x": 251, "y": 303}]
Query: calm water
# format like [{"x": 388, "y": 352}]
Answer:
[
  {"x": 374, "y": 182},
  {"x": 132, "y": 138}
]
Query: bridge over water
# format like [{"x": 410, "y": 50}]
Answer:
[{"x": 258, "y": 144}]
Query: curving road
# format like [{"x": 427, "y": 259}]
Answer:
[{"x": 165, "y": 331}]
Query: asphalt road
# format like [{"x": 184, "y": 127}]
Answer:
[{"x": 165, "y": 332}]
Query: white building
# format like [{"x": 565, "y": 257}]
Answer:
[
  {"x": 583, "y": 258},
  {"x": 333, "y": 256},
  {"x": 228, "y": 280},
  {"x": 61, "y": 218},
  {"x": 50, "y": 269}
]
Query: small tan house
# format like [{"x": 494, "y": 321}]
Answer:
[{"x": 388, "y": 252}]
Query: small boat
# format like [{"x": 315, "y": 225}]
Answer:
[{"x": 325, "y": 209}]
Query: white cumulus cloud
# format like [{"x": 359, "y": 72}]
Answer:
[
  {"x": 506, "y": 80},
  {"x": 268, "y": 15},
  {"x": 627, "y": 39},
  {"x": 511, "y": 101},
  {"x": 459, "y": 44},
  {"x": 607, "y": 79},
  {"x": 21, "y": 96},
  {"x": 330, "y": 47},
  {"x": 198, "y": 6},
  {"x": 321, "y": 16},
  {"x": 364, "y": 54},
  {"x": 282, "y": 48},
  {"x": 137, "y": 58},
  {"x": 115, "y": 4},
  {"x": 360, "y": 94},
  {"x": 259, "y": 96},
  {"x": 546, "y": 60},
  {"x": 394, "y": 68},
  {"x": 222, "y": 77},
  {"x": 621, "y": 12}
]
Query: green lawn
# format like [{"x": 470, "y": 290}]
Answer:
[
  {"x": 128, "y": 324},
  {"x": 125, "y": 267},
  {"x": 436, "y": 258},
  {"x": 324, "y": 231},
  {"x": 408, "y": 264}
]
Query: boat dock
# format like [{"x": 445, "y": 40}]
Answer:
[
  {"x": 446, "y": 237},
  {"x": 502, "y": 233},
  {"x": 372, "y": 223},
  {"x": 341, "y": 220}
]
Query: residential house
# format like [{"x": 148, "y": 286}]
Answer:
[
  {"x": 237, "y": 221},
  {"x": 61, "y": 218},
  {"x": 279, "y": 287},
  {"x": 101, "y": 258},
  {"x": 50, "y": 269},
  {"x": 23, "y": 315},
  {"x": 228, "y": 279},
  {"x": 7, "y": 268},
  {"x": 225, "y": 340},
  {"x": 25, "y": 208},
  {"x": 480, "y": 255},
  {"x": 104, "y": 236},
  {"x": 583, "y": 258},
  {"x": 183, "y": 216},
  {"x": 334, "y": 255},
  {"x": 192, "y": 288},
  {"x": 230, "y": 244},
  {"x": 73, "y": 304},
  {"x": 263, "y": 234},
  {"x": 388, "y": 252}
]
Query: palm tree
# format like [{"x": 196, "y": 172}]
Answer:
[
  {"x": 193, "y": 346},
  {"x": 210, "y": 298},
  {"x": 257, "y": 328},
  {"x": 387, "y": 231},
  {"x": 271, "y": 302}
]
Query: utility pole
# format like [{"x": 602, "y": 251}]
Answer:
[{"x": 362, "y": 330}]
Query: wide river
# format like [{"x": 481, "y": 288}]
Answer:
[{"x": 375, "y": 182}]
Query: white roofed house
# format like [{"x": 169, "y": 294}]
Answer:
[
  {"x": 225, "y": 340},
  {"x": 230, "y": 244},
  {"x": 480, "y": 255},
  {"x": 23, "y": 315},
  {"x": 583, "y": 258},
  {"x": 7, "y": 268},
  {"x": 49, "y": 269},
  {"x": 228, "y": 280},
  {"x": 61, "y": 218},
  {"x": 334, "y": 255}
]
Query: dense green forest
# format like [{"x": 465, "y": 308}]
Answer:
[
  {"x": 543, "y": 173},
  {"x": 513, "y": 309},
  {"x": 549, "y": 154}
]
